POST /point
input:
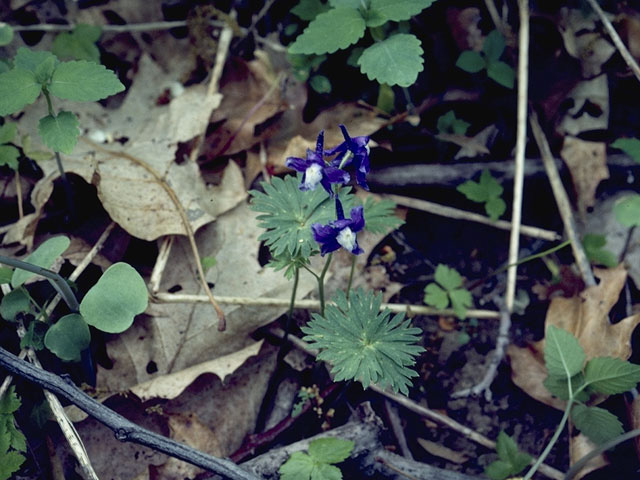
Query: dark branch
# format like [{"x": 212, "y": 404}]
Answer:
[{"x": 124, "y": 430}]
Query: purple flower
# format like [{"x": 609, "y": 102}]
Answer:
[
  {"x": 340, "y": 232},
  {"x": 352, "y": 151},
  {"x": 315, "y": 170}
]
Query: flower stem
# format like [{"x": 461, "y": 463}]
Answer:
[
  {"x": 287, "y": 326},
  {"x": 321, "y": 283},
  {"x": 353, "y": 267}
]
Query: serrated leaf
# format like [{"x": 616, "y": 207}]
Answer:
[
  {"x": 502, "y": 73},
  {"x": 17, "y": 440},
  {"x": 330, "y": 449},
  {"x": 611, "y": 375},
  {"x": 79, "y": 44},
  {"x": 9, "y": 464},
  {"x": 559, "y": 387},
  {"x": 436, "y": 296},
  {"x": 471, "y": 61},
  {"x": 498, "y": 470},
  {"x": 43, "y": 256},
  {"x": 379, "y": 216},
  {"x": 508, "y": 451},
  {"x": 398, "y": 10},
  {"x": 627, "y": 210},
  {"x": 598, "y": 424},
  {"x": 493, "y": 45},
  {"x": 473, "y": 191},
  {"x": 593, "y": 247},
  {"x": 84, "y": 81},
  {"x": 8, "y": 132},
  {"x": 18, "y": 88},
  {"x": 495, "y": 208},
  {"x": 9, "y": 402},
  {"x": 113, "y": 302},
  {"x": 34, "y": 61},
  {"x": 6, "y": 34},
  {"x": 396, "y": 60},
  {"x": 5, "y": 275},
  {"x": 330, "y": 31},
  {"x": 298, "y": 467},
  {"x": 448, "y": 277},
  {"x": 68, "y": 337},
  {"x": 309, "y": 9},
  {"x": 345, "y": 3},
  {"x": 630, "y": 146},
  {"x": 563, "y": 355},
  {"x": 15, "y": 302},
  {"x": 9, "y": 156},
  {"x": 461, "y": 301},
  {"x": 322, "y": 471},
  {"x": 60, "y": 133}
]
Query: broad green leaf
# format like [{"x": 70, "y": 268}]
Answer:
[
  {"x": 35, "y": 61},
  {"x": 15, "y": 302},
  {"x": 559, "y": 387},
  {"x": 471, "y": 61},
  {"x": 593, "y": 246},
  {"x": 449, "y": 278},
  {"x": 436, "y": 296},
  {"x": 396, "y": 60},
  {"x": 18, "y": 88},
  {"x": 43, "y": 256},
  {"x": 9, "y": 402},
  {"x": 508, "y": 451},
  {"x": 563, "y": 355},
  {"x": 502, "y": 73},
  {"x": 59, "y": 133},
  {"x": 323, "y": 471},
  {"x": 309, "y": 9},
  {"x": 498, "y": 470},
  {"x": 5, "y": 275},
  {"x": 84, "y": 81},
  {"x": 345, "y": 3},
  {"x": 474, "y": 191},
  {"x": 495, "y": 208},
  {"x": 9, "y": 156},
  {"x": 461, "y": 300},
  {"x": 330, "y": 449},
  {"x": 398, "y": 10},
  {"x": 596, "y": 423},
  {"x": 8, "y": 132},
  {"x": 79, "y": 44},
  {"x": 330, "y": 31},
  {"x": 298, "y": 467},
  {"x": 320, "y": 84},
  {"x": 112, "y": 303},
  {"x": 493, "y": 46},
  {"x": 374, "y": 18},
  {"x": 5, "y": 66},
  {"x": 611, "y": 375},
  {"x": 6, "y": 34},
  {"x": 68, "y": 337},
  {"x": 448, "y": 123},
  {"x": 9, "y": 464},
  {"x": 627, "y": 210},
  {"x": 630, "y": 146}
]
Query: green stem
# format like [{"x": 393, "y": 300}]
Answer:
[
  {"x": 552, "y": 442},
  {"x": 353, "y": 267},
  {"x": 59, "y": 283},
  {"x": 292, "y": 303},
  {"x": 321, "y": 283}
]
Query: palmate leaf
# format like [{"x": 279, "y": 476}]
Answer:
[
  {"x": 287, "y": 215},
  {"x": 379, "y": 217},
  {"x": 365, "y": 344}
]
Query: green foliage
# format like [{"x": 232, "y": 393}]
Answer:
[
  {"x": 320, "y": 84},
  {"x": 8, "y": 153},
  {"x": 596, "y": 423},
  {"x": 68, "y": 337},
  {"x": 59, "y": 133},
  {"x": 18, "y": 88},
  {"x": 397, "y": 60},
  {"x": 511, "y": 462},
  {"x": 15, "y": 302},
  {"x": 489, "y": 59},
  {"x": 6, "y": 34},
  {"x": 34, "y": 335},
  {"x": 12, "y": 441},
  {"x": 398, "y": 10},
  {"x": 43, "y": 256},
  {"x": 449, "y": 123},
  {"x": 630, "y": 146},
  {"x": 5, "y": 275},
  {"x": 596, "y": 253},
  {"x": 317, "y": 465},
  {"x": 448, "y": 289},
  {"x": 113, "y": 302},
  {"x": 610, "y": 375},
  {"x": 627, "y": 210},
  {"x": 79, "y": 44},
  {"x": 330, "y": 31},
  {"x": 290, "y": 263},
  {"x": 84, "y": 81},
  {"x": 365, "y": 344},
  {"x": 563, "y": 355},
  {"x": 309, "y": 9},
  {"x": 487, "y": 191},
  {"x": 303, "y": 66},
  {"x": 287, "y": 214},
  {"x": 379, "y": 216}
]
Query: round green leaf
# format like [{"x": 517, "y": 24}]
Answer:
[
  {"x": 320, "y": 84},
  {"x": 84, "y": 82},
  {"x": 43, "y": 256},
  {"x": 60, "y": 133},
  {"x": 6, "y": 34},
  {"x": 330, "y": 31},
  {"x": 394, "y": 61},
  {"x": 18, "y": 88},
  {"x": 112, "y": 303},
  {"x": 627, "y": 210},
  {"x": 470, "y": 61},
  {"x": 13, "y": 303},
  {"x": 68, "y": 337},
  {"x": 9, "y": 156},
  {"x": 8, "y": 132}
]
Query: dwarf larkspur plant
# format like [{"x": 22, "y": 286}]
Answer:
[{"x": 302, "y": 220}]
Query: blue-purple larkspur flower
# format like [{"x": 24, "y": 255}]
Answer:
[
  {"x": 352, "y": 151},
  {"x": 315, "y": 170},
  {"x": 340, "y": 232}
]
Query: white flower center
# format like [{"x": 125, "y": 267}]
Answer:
[
  {"x": 347, "y": 239},
  {"x": 313, "y": 175}
]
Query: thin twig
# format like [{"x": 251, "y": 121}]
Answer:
[
  {"x": 161, "y": 263},
  {"x": 457, "y": 214},
  {"x": 124, "y": 430},
  {"x": 495, "y": 16},
  {"x": 166, "y": 297},
  {"x": 132, "y": 27},
  {"x": 617, "y": 41},
  {"x": 562, "y": 200},
  {"x": 521, "y": 143},
  {"x": 19, "y": 195}
]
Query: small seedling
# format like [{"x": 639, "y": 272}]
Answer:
[
  {"x": 487, "y": 191},
  {"x": 450, "y": 124},
  {"x": 512, "y": 461},
  {"x": 12, "y": 442},
  {"x": 447, "y": 289},
  {"x": 318, "y": 464},
  {"x": 596, "y": 253},
  {"x": 489, "y": 59}
]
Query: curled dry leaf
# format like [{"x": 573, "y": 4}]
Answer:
[
  {"x": 587, "y": 317},
  {"x": 579, "y": 446}
]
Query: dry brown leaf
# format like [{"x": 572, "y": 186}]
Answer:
[
  {"x": 587, "y": 162},
  {"x": 579, "y": 446},
  {"x": 587, "y": 317},
  {"x": 594, "y": 94}
]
